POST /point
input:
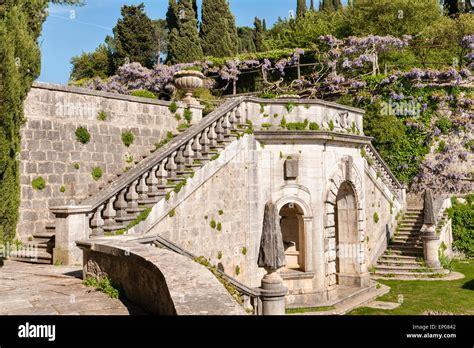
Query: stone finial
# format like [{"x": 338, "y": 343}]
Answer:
[
  {"x": 428, "y": 212},
  {"x": 272, "y": 252}
]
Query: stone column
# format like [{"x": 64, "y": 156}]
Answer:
[
  {"x": 72, "y": 224},
  {"x": 273, "y": 294},
  {"x": 197, "y": 111},
  {"x": 430, "y": 247}
]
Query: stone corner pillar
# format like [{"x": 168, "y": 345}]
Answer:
[
  {"x": 71, "y": 225},
  {"x": 273, "y": 294},
  {"x": 430, "y": 246}
]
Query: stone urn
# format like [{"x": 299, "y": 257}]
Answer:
[{"x": 189, "y": 81}]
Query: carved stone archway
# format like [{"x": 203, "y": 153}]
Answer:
[{"x": 347, "y": 177}]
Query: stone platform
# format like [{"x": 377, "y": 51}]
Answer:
[{"x": 27, "y": 289}]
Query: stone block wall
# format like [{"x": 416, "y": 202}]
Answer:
[
  {"x": 380, "y": 201},
  {"x": 50, "y": 149}
]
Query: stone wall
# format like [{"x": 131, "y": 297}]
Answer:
[
  {"x": 380, "y": 201},
  {"x": 159, "y": 281},
  {"x": 50, "y": 149}
]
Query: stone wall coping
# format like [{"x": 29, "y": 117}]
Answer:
[
  {"x": 108, "y": 95},
  {"x": 305, "y": 102},
  {"x": 310, "y": 136}
]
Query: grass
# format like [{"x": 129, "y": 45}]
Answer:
[
  {"x": 308, "y": 310},
  {"x": 455, "y": 297},
  {"x": 104, "y": 285}
]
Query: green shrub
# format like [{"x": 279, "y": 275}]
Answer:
[
  {"x": 82, "y": 135},
  {"x": 313, "y": 126},
  {"x": 266, "y": 125},
  {"x": 128, "y": 138},
  {"x": 262, "y": 108},
  {"x": 143, "y": 94},
  {"x": 221, "y": 212},
  {"x": 172, "y": 213},
  {"x": 177, "y": 117},
  {"x": 331, "y": 125},
  {"x": 96, "y": 173},
  {"x": 219, "y": 255},
  {"x": 237, "y": 270},
  {"x": 183, "y": 126},
  {"x": 104, "y": 285},
  {"x": 188, "y": 115},
  {"x": 289, "y": 107},
  {"x": 179, "y": 186},
  {"x": 370, "y": 161},
  {"x": 216, "y": 156},
  {"x": 363, "y": 152},
  {"x": 376, "y": 217},
  {"x": 462, "y": 215},
  {"x": 62, "y": 189},
  {"x": 244, "y": 251},
  {"x": 219, "y": 227},
  {"x": 38, "y": 184},
  {"x": 102, "y": 116},
  {"x": 444, "y": 125},
  {"x": 173, "y": 107},
  {"x": 77, "y": 166},
  {"x": 297, "y": 125},
  {"x": 441, "y": 147},
  {"x": 213, "y": 224}
]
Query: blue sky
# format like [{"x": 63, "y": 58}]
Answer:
[{"x": 64, "y": 37}]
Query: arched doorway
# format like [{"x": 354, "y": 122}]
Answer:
[
  {"x": 347, "y": 268},
  {"x": 292, "y": 229}
]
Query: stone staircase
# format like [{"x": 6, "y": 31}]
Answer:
[
  {"x": 403, "y": 258},
  {"x": 156, "y": 177}
]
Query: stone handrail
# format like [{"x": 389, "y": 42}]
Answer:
[
  {"x": 253, "y": 294},
  {"x": 148, "y": 182},
  {"x": 386, "y": 174}
]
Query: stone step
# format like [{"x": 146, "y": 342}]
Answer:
[
  {"x": 396, "y": 244},
  {"x": 47, "y": 235},
  {"x": 416, "y": 253},
  {"x": 405, "y": 268},
  {"x": 114, "y": 228},
  {"x": 395, "y": 263},
  {"x": 399, "y": 257},
  {"x": 410, "y": 275}
]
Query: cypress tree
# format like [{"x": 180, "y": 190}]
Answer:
[
  {"x": 258, "y": 35},
  {"x": 312, "y": 8},
  {"x": 218, "y": 31},
  {"x": 326, "y": 5},
  {"x": 336, "y": 4},
  {"x": 195, "y": 8},
  {"x": 134, "y": 37},
  {"x": 264, "y": 24},
  {"x": 184, "y": 42},
  {"x": 246, "y": 36},
  {"x": 20, "y": 27},
  {"x": 172, "y": 15},
  {"x": 301, "y": 8}
]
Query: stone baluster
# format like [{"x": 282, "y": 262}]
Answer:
[
  {"x": 212, "y": 136},
  {"x": 227, "y": 126},
  {"x": 132, "y": 196},
  {"x": 110, "y": 213},
  {"x": 197, "y": 147},
  {"x": 121, "y": 204},
  {"x": 97, "y": 223},
  {"x": 162, "y": 174},
  {"x": 189, "y": 153},
  {"x": 205, "y": 142},
  {"x": 171, "y": 166},
  {"x": 152, "y": 182},
  {"x": 180, "y": 159},
  {"x": 142, "y": 188},
  {"x": 219, "y": 131},
  {"x": 238, "y": 116},
  {"x": 232, "y": 119}
]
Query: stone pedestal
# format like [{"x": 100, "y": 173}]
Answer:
[
  {"x": 71, "y": 225},
  {"x": 430, "y": 247},
  {"x": 273, "y": 294}
]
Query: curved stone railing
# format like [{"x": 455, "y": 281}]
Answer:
[
  {"x": 158, "y": 280},
  {"x": 251, "y": 296},
  {"x": 384, "y": 172}
]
